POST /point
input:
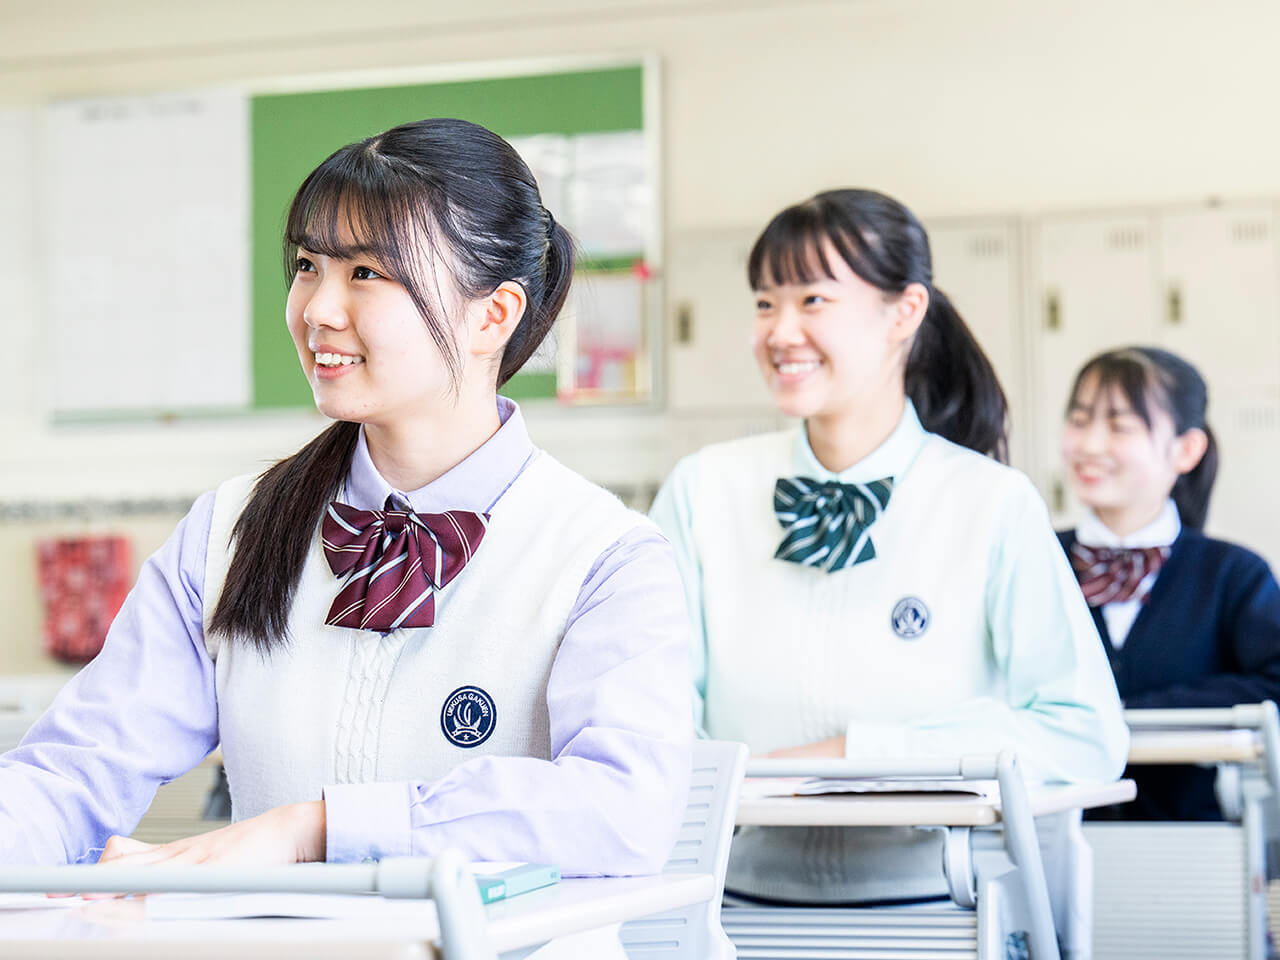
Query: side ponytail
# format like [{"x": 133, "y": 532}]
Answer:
[
  {"x": 274, "y": 534},
  {"x": 953, "y": 385}
]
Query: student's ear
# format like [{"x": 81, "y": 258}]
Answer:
[
  {"x": 1188, "y": 449},
  {"x": 496, "y": 317},
  {"x": 907, "y": 312}
]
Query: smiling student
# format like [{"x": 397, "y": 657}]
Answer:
[
  {"x": 1186, "y": 620},
  {"x": 419, "y": 631},
  {"x": 872, "y": 583}
]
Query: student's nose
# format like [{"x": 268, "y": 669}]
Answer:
[
  {"x": 327, "y": 306},
  {"x": 1092, "y": 437},
  {"x": 786, "y": 330}
]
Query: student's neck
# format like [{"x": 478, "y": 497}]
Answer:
[
  {"x": 1129, "y": 519},
  {"x": 411, "y": 454},
  {"x": 841, "y": 440}
]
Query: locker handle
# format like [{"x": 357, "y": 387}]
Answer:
[
  {"x": 1052, "y": 310},
  {"x": 684, "y": 323},
  {"x": 1058, "y": 496},
  {"x": 1174, "y": 305}
]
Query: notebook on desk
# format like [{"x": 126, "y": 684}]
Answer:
[{"x": 756, "y": 788}]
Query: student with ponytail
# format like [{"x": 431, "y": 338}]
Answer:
[
  {"x": 419, "y": 631},
  {"x": 1186, "y": 620},
  {"x": 875, "y": 583}
]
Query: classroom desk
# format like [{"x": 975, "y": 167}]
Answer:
[
  {"x": 121, "y": 928},
  {"x": 914, "y": 809},
  {"x": 1195, "y": 746}
]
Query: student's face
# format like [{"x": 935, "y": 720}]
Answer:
[
  {"x": 1114, "y": 460},
  {"x": 826, "y": 347},
  {"x": 388, "y": 367}
]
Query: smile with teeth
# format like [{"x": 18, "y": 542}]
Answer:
[
  {"x": 336, "y": 359},
  {"x": 796, "y": 367}
]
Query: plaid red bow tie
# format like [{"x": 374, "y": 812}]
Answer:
[
  {"x": 1109, "y": 575},
  {"x": 394, "y": 562}
]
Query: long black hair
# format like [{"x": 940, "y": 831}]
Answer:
[
  {"x": 1147, "y": 376},
  {"x": 431, "y": 195},
  {"x": 949, "y": 379}
]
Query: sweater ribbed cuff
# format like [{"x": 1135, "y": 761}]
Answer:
[{"x": 366, "y": 821}]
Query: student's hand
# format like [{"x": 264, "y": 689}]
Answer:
[
  {"x": 831, "y": 747},
  {"x": 288, "y": 834}
]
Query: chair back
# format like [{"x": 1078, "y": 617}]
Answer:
[{"x": 702, "y": 846}]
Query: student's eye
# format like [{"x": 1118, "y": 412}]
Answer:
[
  {"x": 366, "y": 273},
  {"x": 1077, "y": 418},
  {"x": 763, "y": 306},
  {"x": 303, "y": 265},
  {"x": 814, "y": 300}
]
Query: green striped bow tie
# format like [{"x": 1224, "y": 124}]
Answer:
[{"x": 827, "y": 524}]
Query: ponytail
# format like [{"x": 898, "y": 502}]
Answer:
[
  {"x": 1192, "y": 490},
  {"x": 533, "y": 329},
  {"x": 953, "y": 385},
  {"x": 274, "y": 535}
]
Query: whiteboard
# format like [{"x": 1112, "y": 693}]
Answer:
[{"x": 145, "y": 206}]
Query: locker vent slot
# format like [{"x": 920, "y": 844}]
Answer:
[
  {"x": 1249, "y": 231},
  {"x": 1127, "y": 238},
  {"x": 988, "y": 246}
]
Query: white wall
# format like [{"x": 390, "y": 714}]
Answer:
[{"x": 958, "y": 107}]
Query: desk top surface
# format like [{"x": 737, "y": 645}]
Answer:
[
  {"x": 906, "y": 809},
  {"x": 568, "y": 907}
]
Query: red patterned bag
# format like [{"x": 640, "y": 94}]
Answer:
[{"x": 83, "y": 581}]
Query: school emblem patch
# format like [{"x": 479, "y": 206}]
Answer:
[
  {"x": 468, "y": 717},
  {"x": 910, "y": 618}
]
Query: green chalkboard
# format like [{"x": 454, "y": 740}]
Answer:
[{"x": 292, "y": 133}]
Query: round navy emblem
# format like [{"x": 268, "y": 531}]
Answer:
[
  {"x": 468, "y": 716},
  {"x": 910, "y": 618}
]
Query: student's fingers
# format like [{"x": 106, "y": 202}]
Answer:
[{"x": 118, "y": 847}]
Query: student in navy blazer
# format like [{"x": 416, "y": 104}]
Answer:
[{"x": 1186, "y": 620}]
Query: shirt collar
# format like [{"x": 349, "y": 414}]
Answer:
[
  {"x": 474, "y": 484},
  {"x": 1160, "y": 532},
  {"x": 890, "y": 459}
]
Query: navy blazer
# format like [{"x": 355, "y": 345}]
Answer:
[{"x": 1208, "y": 635}]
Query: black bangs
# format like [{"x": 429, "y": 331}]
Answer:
[
  {"x": 359, "y": 204},
  {"x": 1129, "y": 372},
  {"x": 791, "y": 250}
]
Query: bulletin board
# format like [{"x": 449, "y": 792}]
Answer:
[{"x": 176, "y": 206}]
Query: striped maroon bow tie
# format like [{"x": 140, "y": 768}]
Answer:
[
  {"x": 1109, "y": 575},
  {"x": 394, "y": 562}
]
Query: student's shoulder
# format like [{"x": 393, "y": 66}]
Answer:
[
  {"x": 1230, "y": 560},
  {"x": 956, "y": 465}
]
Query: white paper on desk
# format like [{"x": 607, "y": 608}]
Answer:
[
  {"x": 816, "y": 787},
  {"x": 313, "y": 906},
  {"x": 37, "y": 901}
]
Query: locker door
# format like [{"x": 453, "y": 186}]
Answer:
[
  {"x": 976, "y": 265},
  {"x": 709, "y": 317},
  {"x": 1092, "y": 288},
  {"x": 1221, "y": 311}
]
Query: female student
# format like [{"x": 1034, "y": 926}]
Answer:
[
  {"x": 1186, "y": 620},
  {"x": 419, "y": 631},
  {"x": 872, "y": 584}
]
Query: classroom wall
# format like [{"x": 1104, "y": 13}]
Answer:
[{"x": 978, "y": 107}]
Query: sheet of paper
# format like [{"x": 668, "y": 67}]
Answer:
[
  {"x": 145, "y": 205},
  {"x": 316, "y": 906},
  {"x": 758, "y": 788}
]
